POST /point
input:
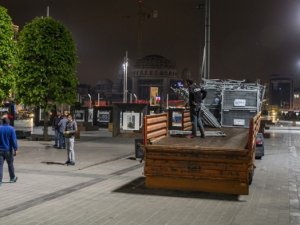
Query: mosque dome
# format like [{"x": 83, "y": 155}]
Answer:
[
  {"x": 154, "y": 62},
  {"x": 105, "y": 81},
  {"x": 154, "y": 66},
  {"x": 153, "y": 75}
]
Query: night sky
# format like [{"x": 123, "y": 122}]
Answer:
[{"x": 249, "y": 39}]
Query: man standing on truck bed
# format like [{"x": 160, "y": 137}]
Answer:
[{"x": 196, "y": 95}]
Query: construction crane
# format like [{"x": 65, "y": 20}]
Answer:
[{"x": 143, "y": 15}]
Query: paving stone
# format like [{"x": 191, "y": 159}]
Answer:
[{"x": 107, "y": 187}]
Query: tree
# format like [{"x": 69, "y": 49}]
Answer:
[
  {"x": 47, "y": 66},
  {"x": 7, "y": 55}
]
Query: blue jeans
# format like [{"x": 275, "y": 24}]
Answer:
[
  {"x": 61, "y": 142},
  {"x": 9, "y": 158},
  {"x": 195, "y": 114},
  {"x": 56, "y": 137}
]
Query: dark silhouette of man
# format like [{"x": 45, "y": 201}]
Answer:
[{"x": 196, "y": 96}]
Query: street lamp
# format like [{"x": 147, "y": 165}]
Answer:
[
  {"x": 90, "y": 100},
  {"x": 207, "y": 40},
  {"x": 125, "y": 66},
  {"x": 205, "y": 68}
]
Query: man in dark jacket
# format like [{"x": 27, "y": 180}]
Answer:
[
  {"x": 196, "y": 95},
  {"x": 55, "y": 127},
  {"x": 61, "y": 129},
  {"x": 8, "y": 149}
]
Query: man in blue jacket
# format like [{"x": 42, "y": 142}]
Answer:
[{"x": 8, "y": 149}]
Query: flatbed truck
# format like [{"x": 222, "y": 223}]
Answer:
[{"x": 221, "y": 164}]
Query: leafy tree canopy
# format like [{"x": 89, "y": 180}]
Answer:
[
  {"x": 47, "y": 63},
  {"x": 7, "y": 54}
]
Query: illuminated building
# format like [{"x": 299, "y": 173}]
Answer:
[
  {"x": 153, "y": 71},
  {"x": 281, "y": 92}
]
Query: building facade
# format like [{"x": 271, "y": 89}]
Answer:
[
  {"x": 153, "y": 71},
  {"x": 281, "y": 92},
  {"x": 297, "y": 99}
]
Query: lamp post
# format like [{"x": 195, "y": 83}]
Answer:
[
  {"x": 48, "y": 11},
  {"x": 125, "y": 66},
  {"x": 90, "y": 100},
  {"x": 207, "y": 40},
  {"x": 205, "y": 68}
]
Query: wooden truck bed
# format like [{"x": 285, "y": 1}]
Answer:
[
  {"x": 214, "y": 164},
  {"x": 236, "y": 138}
]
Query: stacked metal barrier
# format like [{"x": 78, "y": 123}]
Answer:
[
  {"x": 213, "y": 101},
  {"x": 208, "y": 118},
  {"x": 239, "y": 101},
  {"x": 183, "y": 92},
  {"x": 228, "y": 102},
  {"x": 239, "y": 106}
]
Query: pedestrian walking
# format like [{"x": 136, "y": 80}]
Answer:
[
  {"x": 55, "y": 127},
  {"x": 8, "y": 149},
  {"x": 196, "y": 96},
  {"x": 61, "y": 129},
  {"x": 71, "y": 129}
]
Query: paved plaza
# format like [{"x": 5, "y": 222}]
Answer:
[{"x": 106, "y": 186}]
